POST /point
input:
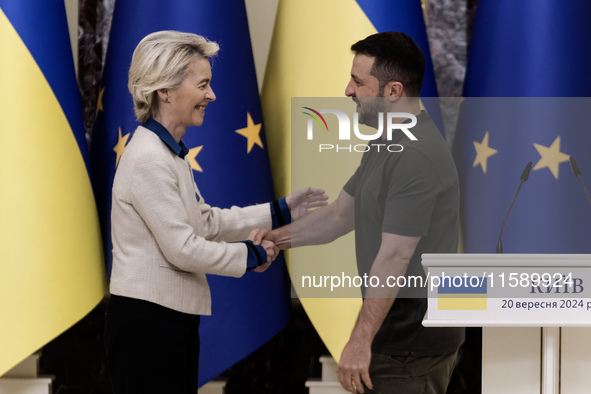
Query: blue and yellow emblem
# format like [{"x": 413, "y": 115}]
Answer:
[{"x": 465, "y": 297}]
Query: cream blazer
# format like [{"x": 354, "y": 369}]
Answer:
[{"x": 164, "y": 239}]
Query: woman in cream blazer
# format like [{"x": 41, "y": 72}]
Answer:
[{"x": 165, "y": 237}]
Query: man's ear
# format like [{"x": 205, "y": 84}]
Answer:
[{"x": 394, "y": 90}]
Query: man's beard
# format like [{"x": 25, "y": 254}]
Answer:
[{"x": 369, "y": 109}]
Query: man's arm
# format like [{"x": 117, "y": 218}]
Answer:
[
  {"x": 392, "y": 260},
  {"x": 323, "y": 225}
]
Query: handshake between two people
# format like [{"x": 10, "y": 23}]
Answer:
[{"x": 299, "y": 203}]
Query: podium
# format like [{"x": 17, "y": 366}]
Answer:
[{"x": 535, "y": 310}]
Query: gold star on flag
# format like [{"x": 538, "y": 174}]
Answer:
[
  {"x": 483, "y": 152},
  {"x": 99, "y": 102},
  {"x": 551, "y": 157},
  {"x": 192, "y": 155},
  {"x": 120, "y": 147},
  {"x": 251, "y": 132}
]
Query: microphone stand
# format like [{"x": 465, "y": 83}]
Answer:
[
  {"x": 524, "y": 177},
  {"x": 577, "y": 172}
]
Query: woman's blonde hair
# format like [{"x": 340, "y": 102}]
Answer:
[{"x": 161, "y": 61}]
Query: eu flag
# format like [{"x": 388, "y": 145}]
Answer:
[
  {"x": 526, "y": 83},
  {"x": 228, "y": 156},
  {"x": 51, "y": 270}
]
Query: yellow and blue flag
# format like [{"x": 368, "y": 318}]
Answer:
[
  {"x": 51, "y": 270},
  {"x": 310, "y": 56},
  {"x": 466, "y": 296},
  {"x": 526, "y": 99},
  {"x": 228, "y": 154}
]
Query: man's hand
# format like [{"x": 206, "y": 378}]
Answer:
[
  {"x": 354, "y": 366},
  {"x": 301, "y": 201},
  {"x": 257, "y": 237},
  {"x": 271, "y": 249}
]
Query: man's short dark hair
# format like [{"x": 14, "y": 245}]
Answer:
[{"x": 397, "y": 58}]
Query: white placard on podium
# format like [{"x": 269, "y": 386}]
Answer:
[{"x": 522, "y": 301}]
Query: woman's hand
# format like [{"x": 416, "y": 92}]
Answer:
[
  {"x": 301, "y": 201},
  {"x": 257, "y": 236}
]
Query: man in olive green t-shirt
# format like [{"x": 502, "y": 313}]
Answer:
[{"x": 401, "y": 204}]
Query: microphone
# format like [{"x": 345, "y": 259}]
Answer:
[
  {"x": 577, "y": 172},
  {"x": 524, "y": 177}
]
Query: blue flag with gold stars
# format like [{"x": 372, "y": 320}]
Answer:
[
  {"x": 228, "y": 154},
  {"x": 527, "y": 87}
]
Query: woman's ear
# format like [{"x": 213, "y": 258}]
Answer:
[{"x": 163, "y": 94}]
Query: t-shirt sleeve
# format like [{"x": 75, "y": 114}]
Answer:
[
  {"x": 411, "y": 193},
  {"x": 351, "y": 185}
]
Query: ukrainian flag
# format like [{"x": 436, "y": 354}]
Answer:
[
  {"x": 51, "y": 271},
  {"x": 465, "y": 297}
]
